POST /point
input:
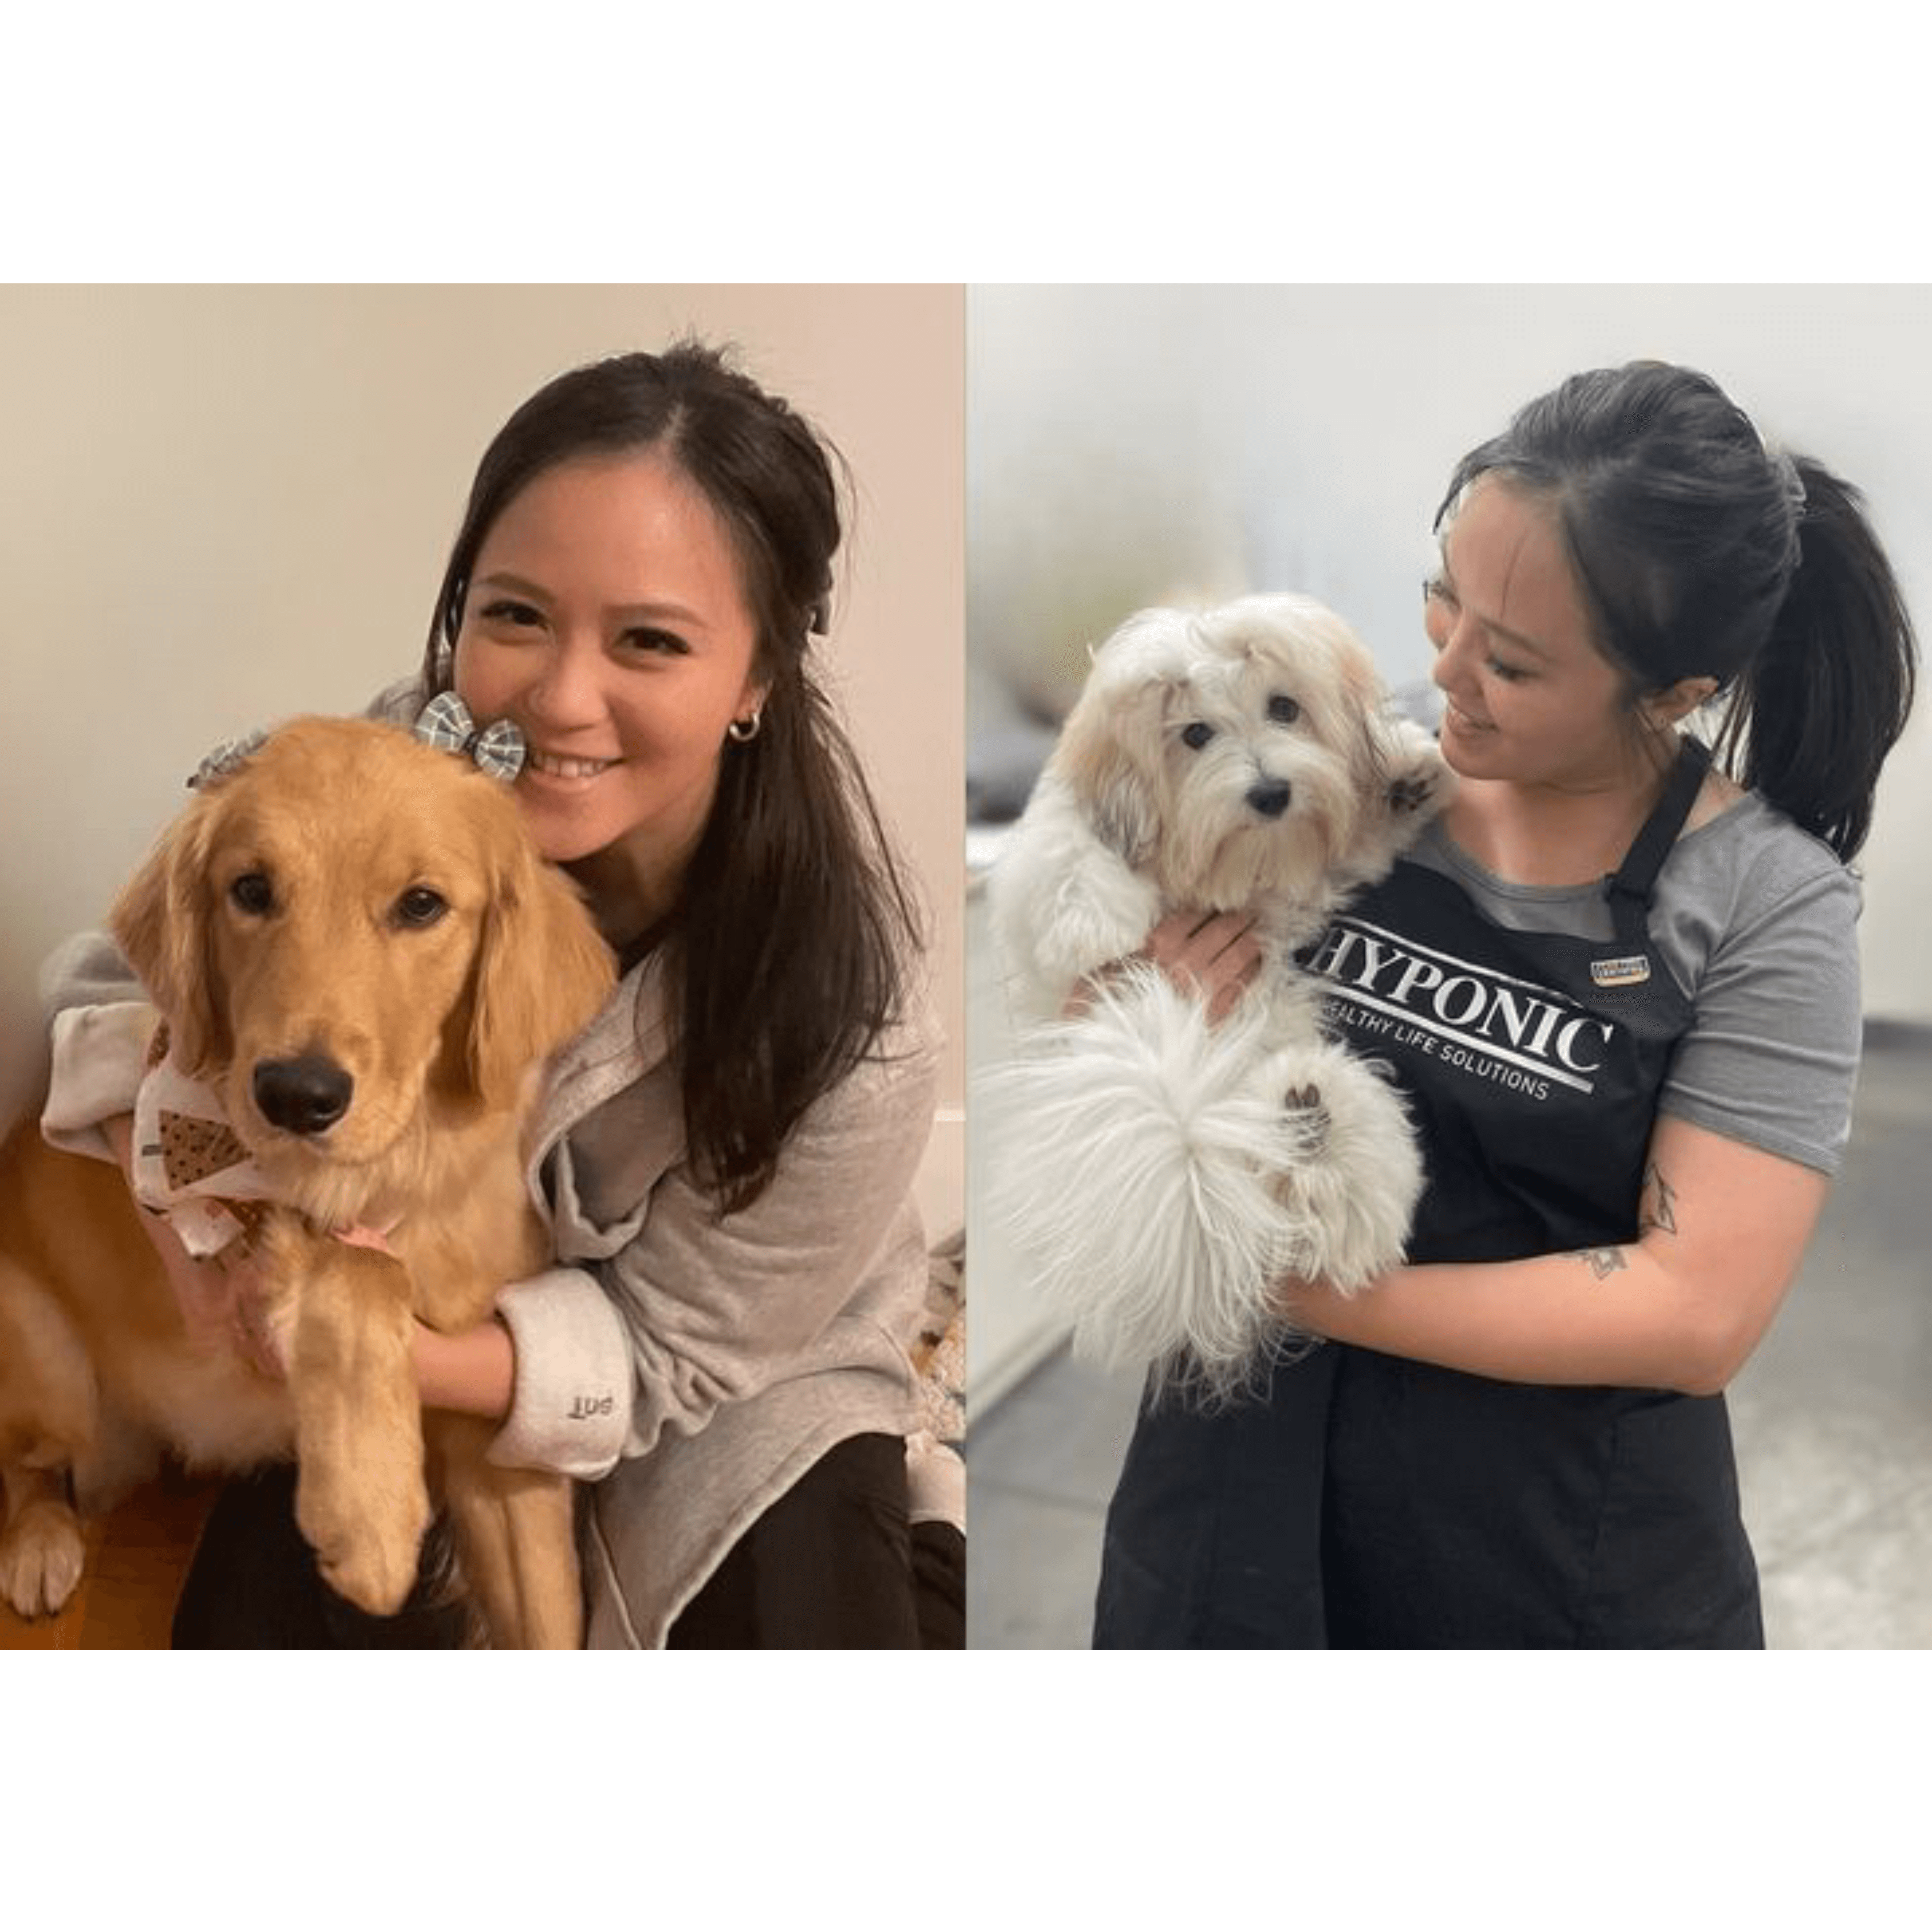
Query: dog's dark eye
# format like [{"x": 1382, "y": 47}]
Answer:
[
  {"x": 1283, "y": 711},
  {"x": 1196, "y": 736},
  {"x": 253, "y": 893},
  {"x": 420, "y": 906}
]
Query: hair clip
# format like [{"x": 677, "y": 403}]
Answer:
[
  {"x": 445, "y": 722},
  {"x": 1785, "y": 466},
  {"x": 227, "y": 758}
]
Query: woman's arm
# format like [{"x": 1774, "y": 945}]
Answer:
[
  {"x": 1723, "y": 1227},
  {"x": 205, "y": 1291},
  {"x": 220, "y": 1300},
  {"x": 473, "y": 1371}
]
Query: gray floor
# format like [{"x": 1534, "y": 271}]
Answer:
[{"x": 1833, "y": 1419}]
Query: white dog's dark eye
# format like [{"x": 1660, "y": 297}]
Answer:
[
  {"x": 1283, "y": 711},
  {"x": 1197, "y": 735},
  {"x": 253, "y": 893},
  {"x": 421, "y": 906}
]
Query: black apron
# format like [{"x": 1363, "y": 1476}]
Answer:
[{"x": 1373, "y": 1501}]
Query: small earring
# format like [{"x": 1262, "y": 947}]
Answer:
[{"x": 742, "y": 730}]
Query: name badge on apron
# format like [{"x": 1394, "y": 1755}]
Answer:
[{"x": 1632, "y": 971}]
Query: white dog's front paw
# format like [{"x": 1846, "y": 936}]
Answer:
[
  {"x": 1308, "y": 1119},
  {"x": 1062, "y": 905},
  {"x": 1355, "y": 1187},
  {"x": 1088, "y": 930},
  {"x": 1419, "y": 779},
  {"x": 42, "y": 1556}
]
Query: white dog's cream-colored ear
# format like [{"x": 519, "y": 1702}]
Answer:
[
  {"x": 1112, "y": 750},
  {"x": 1109, "y": 757},
  {"x": 1125, "y": 814}
]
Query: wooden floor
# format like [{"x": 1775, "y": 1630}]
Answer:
[{"x": 137, "y": 1558}]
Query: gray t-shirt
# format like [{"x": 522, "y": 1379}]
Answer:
[{"x": 1757, "y": 921}]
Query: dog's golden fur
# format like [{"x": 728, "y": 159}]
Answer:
[{"x": 396, "y": 924}]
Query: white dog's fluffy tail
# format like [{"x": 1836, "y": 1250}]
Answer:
[{"x": 1133, "y": 1158}]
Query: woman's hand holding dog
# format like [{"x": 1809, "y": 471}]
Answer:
[
  {"x": 223, "y": 1303},
  {"x": 224, "y": 1306},
  {"x": 1213, "y": 956}
]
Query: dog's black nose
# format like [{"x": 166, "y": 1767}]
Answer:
[
  {"x": 1270, "y": 800},
  {"x": 307, "y": 1095}
]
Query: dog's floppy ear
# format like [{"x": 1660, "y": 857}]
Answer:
[
  {"x": 1122, "y": 805},
  {"x": 1110, "y": 751},
  {"x": 542, "y": 972},
  {"x": 160, "y": 922}
]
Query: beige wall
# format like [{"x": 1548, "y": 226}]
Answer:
[{"x": 221, "y": 506}]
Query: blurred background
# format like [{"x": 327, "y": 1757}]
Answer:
[
  {"x": 1129, "y": 446},
  {"x": 221, "y": 506}
]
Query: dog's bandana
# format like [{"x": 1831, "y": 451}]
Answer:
[
  {"x": 189, "y": 1164},
  {"x": 445, "y": 723}
]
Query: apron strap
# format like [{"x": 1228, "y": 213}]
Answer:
[{"x": 1628, "y": 889}]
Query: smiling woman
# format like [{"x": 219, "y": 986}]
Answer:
[
  {"x": 1619, "y": 989},
  {"x": 725, "y": 1157},
  {"x": 1529, "y": 696},
  {"x": 606, "y": 620}
]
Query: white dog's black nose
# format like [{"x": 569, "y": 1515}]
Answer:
[
  {"x": 1271, "y": 799},
  {"x": 307, "y": 1095}
]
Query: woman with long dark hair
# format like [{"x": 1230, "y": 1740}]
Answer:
[
  {"x": 727, "y": 1152},
  {"x": 1617, "y": 983}
]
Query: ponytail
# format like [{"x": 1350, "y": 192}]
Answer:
[{"x": 1813, "y": 714}]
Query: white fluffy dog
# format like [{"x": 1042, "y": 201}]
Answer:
[{"x": 1160, "y": 1175}]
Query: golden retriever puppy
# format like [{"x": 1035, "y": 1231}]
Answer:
[{"x": 351, "y": 940}]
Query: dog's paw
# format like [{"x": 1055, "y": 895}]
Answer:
[
  {"x": 42, "y": 1556},
  {"x": 1419, "y": 780},
  {"x": 1356, "y": 1190},
  {"x": 1308, "y": 1117},
  {"x": 367, "y": 1551}
]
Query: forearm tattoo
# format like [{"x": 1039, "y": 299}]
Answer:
[{"x": 1657, "y": 1207}]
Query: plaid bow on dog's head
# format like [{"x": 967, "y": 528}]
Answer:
[
  {"x": 445, "y": 723},
  {"x": 227, "y": 758}
]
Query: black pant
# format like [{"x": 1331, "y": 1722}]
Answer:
[{"x": 833, "y": 1563}]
